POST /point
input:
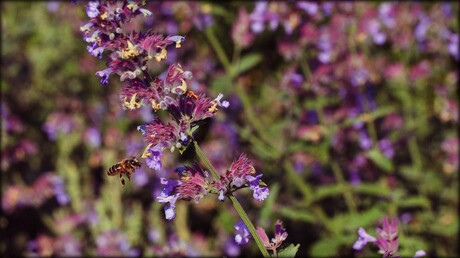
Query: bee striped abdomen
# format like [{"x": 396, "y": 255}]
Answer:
[{"x": 114, "y": 170}]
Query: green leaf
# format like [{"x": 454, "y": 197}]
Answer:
[
  {"x": 328, "y": 246},
  {"x": 289, "y": 251},
  {"x": 371, "y": 189},
  {"x": 222, "y": 84},
  {"x": 246, "y": 62},
  {"x": 380, "y": 160},
  {"x": 412, "y": 202},
  {"x": 294, "y": 214}
]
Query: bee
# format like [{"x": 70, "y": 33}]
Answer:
[{"x": 126, "y": 166}]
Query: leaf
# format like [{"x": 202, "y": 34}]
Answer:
[
  {"x": 289, "y": 251},
  {"x": 247, "y": 62},
  {"x": 371, "y": 189},
  {"x": 294, "y": 214},
  {"x": 417, "y": 201},
  {"x": 380, "y": 160},
  {"x": 222, "y": 84},
  {"x": 328, "y": 246}
]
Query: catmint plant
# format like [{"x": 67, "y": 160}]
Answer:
[{"x": 128, "y": 55}]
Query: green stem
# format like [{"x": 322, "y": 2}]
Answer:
[
  {"x": 348, "y": 195},
  {"x": 249, "y": 224},
  {"x": 205, "y": 160},
  {"x": 235, "y": 202},
  {"x": 218, "y": 48}
]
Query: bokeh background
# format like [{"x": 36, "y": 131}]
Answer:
[{"x": 350, "y": 110}]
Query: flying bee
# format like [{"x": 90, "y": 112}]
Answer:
[{"x": 126, "y": 166}]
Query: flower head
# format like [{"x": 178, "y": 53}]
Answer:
[
  {"x": 241, "y": 233},
  {"x": 280, "y": 236}
]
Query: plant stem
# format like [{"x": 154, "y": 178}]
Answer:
[
  {"x": 235, "y": 202},
  {"x": 249, "y": 224},
  {"x": 219, "y": 50},
  {"x": 205, "y": 160}
]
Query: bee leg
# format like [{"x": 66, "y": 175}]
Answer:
[
  {"x": 122, "y": 180},
  {"x": 128, "y": 175}
]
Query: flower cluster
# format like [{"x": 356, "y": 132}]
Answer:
[
  {"x": 194, "y": 183},
  {"x": 275, "y": 243},
  {"x": 387, "y": 240},
  {"x": 129, "y": 58},
  {"x": 45, "y": 187}
]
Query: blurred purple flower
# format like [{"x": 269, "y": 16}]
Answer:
[
  {"x": 231, "y": 248},
  {"x": 140, "y": 178},
  {"x": 310, "y": 7},
  {"x": 60, "y": 192},
  {"x": 280, "y": 236},
  {"x": 114, "y": 243},
  {"x": 56, "y": 123},
  {"x": 92, "y": 137},
  {"x": 363, "y": 239},
  {"x": 453, "y": 45},
  {"x": 374, "y": 28},
  {"x": 386, "y": 147},
  {"x": 325, "y": 47},
  {"x": 386, "y": 14},
  {"x": 365, "y": 142},
  {"x": 242, "y": 234}
]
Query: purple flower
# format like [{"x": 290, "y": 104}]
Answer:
[
  {"x": 242, "y": 233},
  {"x": 153, "y": 160},
  {"x": 280, "y": 236},
  {"x": 419, "y": 253},
  {"x": 92, "y": 9},
  {"x": 60, "y": 192},
  {"x": 104, "y": 74},
  {"x": 363, "y": 239},
  {"x": 374, "y": 28},
  {"x": 309, "y": 7},
  {"x": 231, "y": 248},
  {"x": 453, "y": 45},
  {"x": 388, "y": 240},
  {"x": 92, "y": 137},
  {"x": 386, "y": 147}
]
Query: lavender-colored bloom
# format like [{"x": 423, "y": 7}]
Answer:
[
  {"x": 257, "y": 17},
  {"x": 104, "y": 74},
  {"x": 309, "y": 7},
  {"x": 419, "y": 253},
  {"x": 95, "y": 50},
  {"x": 53, "y": 6},
  {"x": 374, "y": 29},
  {"x": 422, "y": 28},
  {"x": 260, "y": 193},
  {"x": 153, "y": 160},
  {"x": 92, "y": 137},
  {"x": 325, "y": 46},
  {"x": 387, "y": 148},
  {"x": 91, "y": 9},
  {"x": 242, "y": 233},
  {"x": 386, "y": 16},
  {"x": 363, "y": 239},
  {"x": 359, "y": 77},
  {"x": 354, "y": 178},
  {"x": 59, "y": 191},
  {"x": 453, "y": 45},
  {"x": 140, "y": 178},
  {"x": 231, "y": 248},
  {"x": 365, "y": 141},
  {"x": 327, "y": 7}
]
